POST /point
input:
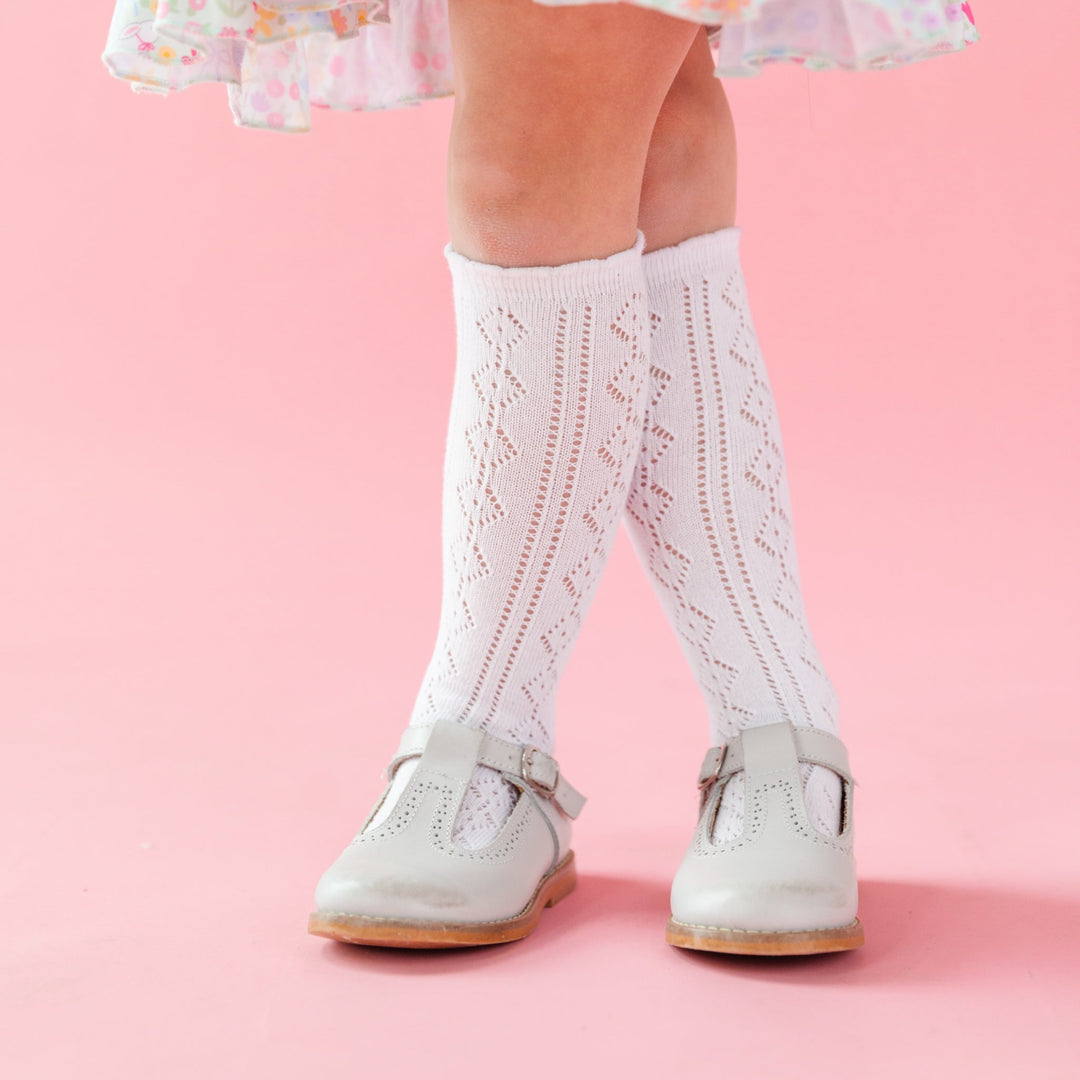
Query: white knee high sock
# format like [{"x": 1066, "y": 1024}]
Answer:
[
  {"x": 709, "y": 512},
  {"x": 545, "y": 426}
]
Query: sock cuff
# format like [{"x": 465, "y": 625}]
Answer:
[
  {"x": 612, "y": 273},
  {"x": 693, "y": 257}
]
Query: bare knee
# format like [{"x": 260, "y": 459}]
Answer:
[
  {"x": 694, "y": 123},
  {"x": 689, "y": 180},
  {"x": 522, "y": 192},
  {"x": 554, "y": 109}
]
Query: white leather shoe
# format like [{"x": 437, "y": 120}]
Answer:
[
  {"x": 405, "y": 883},
  {"x": 781, "y": 887}
]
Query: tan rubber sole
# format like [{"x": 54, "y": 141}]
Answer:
[
  {"x": 422, "y": 934},
  {"x": 765, "y": 942}
]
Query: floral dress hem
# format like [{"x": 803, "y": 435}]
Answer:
[{"x": 281, "y": 58}]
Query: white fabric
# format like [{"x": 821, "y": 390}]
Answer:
[
  {"x": 709, "y": 513},
  {"x": 281, "y": 57},
  {"x": 545, "y": 425}
]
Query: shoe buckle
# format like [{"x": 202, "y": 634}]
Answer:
[
  {"x": 545, "y": 784},
  {"x": 707, "y": 779}
]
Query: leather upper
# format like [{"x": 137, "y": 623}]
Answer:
[
  {"x": 780, "y": 872},
  {"x": 408, "y": 867}
]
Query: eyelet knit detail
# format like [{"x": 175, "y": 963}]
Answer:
[
  {"x": 545, "y": 423},
  {"x": 709, "y": 512}
]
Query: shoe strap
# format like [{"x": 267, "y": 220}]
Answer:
[
  {"x": 772, "y": 747},
  {"x": 526, "y": 766}
]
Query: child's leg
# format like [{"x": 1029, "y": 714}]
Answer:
[
  {"x": 690, "y": 172},
  {"x": 709, "y": 509},
  {"x": 552, "y": 117},
  {"x": 554, "y": 109}
]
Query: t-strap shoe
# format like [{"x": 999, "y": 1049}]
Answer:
[
  {"x": 404, "y": 883},
  {"x": 781, "y": 887}
]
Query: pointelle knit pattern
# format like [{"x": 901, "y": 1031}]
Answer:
[
  {"x": 709, "y": 513},
  {"x": 545, "y": 423}
]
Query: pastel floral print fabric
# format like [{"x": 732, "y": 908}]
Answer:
[{"x": 280, "y": 58}]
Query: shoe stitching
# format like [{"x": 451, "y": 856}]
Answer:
[
  {"x": 756, "y": 821},
  {"x": 754, "y": 933}
]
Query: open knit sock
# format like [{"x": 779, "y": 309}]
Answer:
[
  {"x": 545, "y": 424},
  {"x": 709, "y": 513}
]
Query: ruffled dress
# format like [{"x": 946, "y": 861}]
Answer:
[{"x": 280, "y": 58}]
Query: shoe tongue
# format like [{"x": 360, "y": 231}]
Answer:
[
  {"x": 452, "y": 750},
  {"x": 769, "y": 748}
]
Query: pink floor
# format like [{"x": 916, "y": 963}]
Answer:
[{"x": 219, "y": 435}]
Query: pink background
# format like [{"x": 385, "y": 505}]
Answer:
[{"x": 227, "y": 357}]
